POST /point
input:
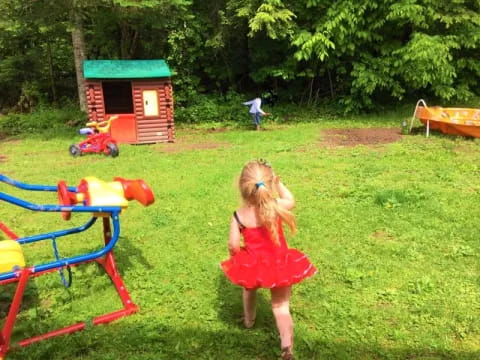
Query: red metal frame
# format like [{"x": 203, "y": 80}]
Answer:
[
  {"x": 108, "y": 263},
  {"x": 8, "y": 232}
]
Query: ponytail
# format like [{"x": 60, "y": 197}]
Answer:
[{"x": 269, "y": 212}]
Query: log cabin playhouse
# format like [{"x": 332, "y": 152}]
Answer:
[{"x": 138, "y": 91}]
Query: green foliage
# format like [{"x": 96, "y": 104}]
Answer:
[
  {"x": 274, "y": 18},
  {"x": 43, "y": 121},
  {"x": 146, "y": 4},
  {"x": 317, "y": 45},
  {"x": 208, "y": 109},
  {"x": 427, "y": 62},
  {"x": 396, "y": 49},
  {"x": 358, "y": 54},
  {"x": 185, "y": 44}
]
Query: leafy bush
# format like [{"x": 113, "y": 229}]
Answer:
[
  {"x": 203, "y": 108},
  {"x": 49, "y": 120}
]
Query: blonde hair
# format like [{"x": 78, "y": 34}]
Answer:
[{"x": 258, "y": 188}]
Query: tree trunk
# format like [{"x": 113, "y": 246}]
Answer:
[
  {"x": 50, "y": 73},
  {"x": 332, "y": 92},
  {"x": 310, "y": 93},
  {"x": 128, "y": 41},
  {"x": 78, "y": 41}
]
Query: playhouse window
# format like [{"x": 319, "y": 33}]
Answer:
[{"x": 118, "y": 97}]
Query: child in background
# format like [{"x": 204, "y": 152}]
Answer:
[
  {"x": 256, "y": 111},
  {"x": 265, "y": 261}
]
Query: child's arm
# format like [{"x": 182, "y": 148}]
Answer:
[
  {"x": 234, "y": 237},
  {"x": 286, "y": 200},
  {"x": 259, "y": 109}
]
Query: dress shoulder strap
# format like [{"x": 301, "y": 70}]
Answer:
[{"x": 240, "y": 225}]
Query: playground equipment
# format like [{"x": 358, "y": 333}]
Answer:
[
  {"x": 139, "y": 91},
  {"x": 451, "y": 121},
  {"x": 98, "y": 139},
  {"x": 104, "y": 200}
]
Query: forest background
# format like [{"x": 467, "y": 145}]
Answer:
[{"x": 350, "y": 55}]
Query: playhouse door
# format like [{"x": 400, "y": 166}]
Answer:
[
  {"x": 150, "y": 102},
  {"x": 124, "y": 129}
]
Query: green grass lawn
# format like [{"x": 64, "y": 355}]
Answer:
[{"x": 393, "y": 229}]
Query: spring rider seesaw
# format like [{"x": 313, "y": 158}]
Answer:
[
  {"x": 98, "y": 139},
  {"x": 104, "y": 200}
]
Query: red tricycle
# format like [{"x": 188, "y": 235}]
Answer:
[{"x": 98, "y": 139}]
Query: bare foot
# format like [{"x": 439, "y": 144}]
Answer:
[{"x": 287, "y": 353}]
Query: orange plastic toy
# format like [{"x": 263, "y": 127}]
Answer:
[
  {"x": 451, "y": 121},
  {"x": 94, "y": 192}
]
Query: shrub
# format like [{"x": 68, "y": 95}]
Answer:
[
  {"x": 225, "y": 109},
  {"x": 49, "y": 120}
]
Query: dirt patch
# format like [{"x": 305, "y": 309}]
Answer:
[
  {"x": 48, "y": 152},
  {"x": 95, "y": 158},
  {"x": 9, "y": 140},
  {"x": 382, "y": 236},
  {"x": 3, "y": 158},
  {"x": 212, "y": 130},
  {"x": 464, "y": 149},
  {"x": 181, "y": 146},
  {"x": 217, "y": 130},
  {"x": 354, "y": 137}
]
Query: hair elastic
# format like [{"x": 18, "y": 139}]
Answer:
[{"x": 261, "y": 183}]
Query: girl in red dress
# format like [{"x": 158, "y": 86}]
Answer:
[{"x": 264, "y": 260}]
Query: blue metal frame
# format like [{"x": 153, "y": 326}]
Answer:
[{"x": 113, "y": 211}]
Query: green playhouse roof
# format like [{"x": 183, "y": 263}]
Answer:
[{"x": 125, "y": 69}]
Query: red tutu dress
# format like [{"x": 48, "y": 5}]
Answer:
[{"x": 264, "y": 264}]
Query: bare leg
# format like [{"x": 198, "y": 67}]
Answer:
[
  {"x": 283, "y": 318},
  {"x": 249, "y": 307}
]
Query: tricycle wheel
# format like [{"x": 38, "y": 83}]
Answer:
[
  {"x": 75, "y": 150},
  {"x": 112, "y": 149}
]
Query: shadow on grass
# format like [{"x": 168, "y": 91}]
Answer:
[
  {"x": 421, "y": 130},
  {"x": 156, "y": 340},
  {"x": 124, "y": 251},
  {"x": 34, "y": 317},
  {"x": 230, "y": 308},
  {"x": 146, "y": 336},
  {"x": 30, "y": 297}
]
